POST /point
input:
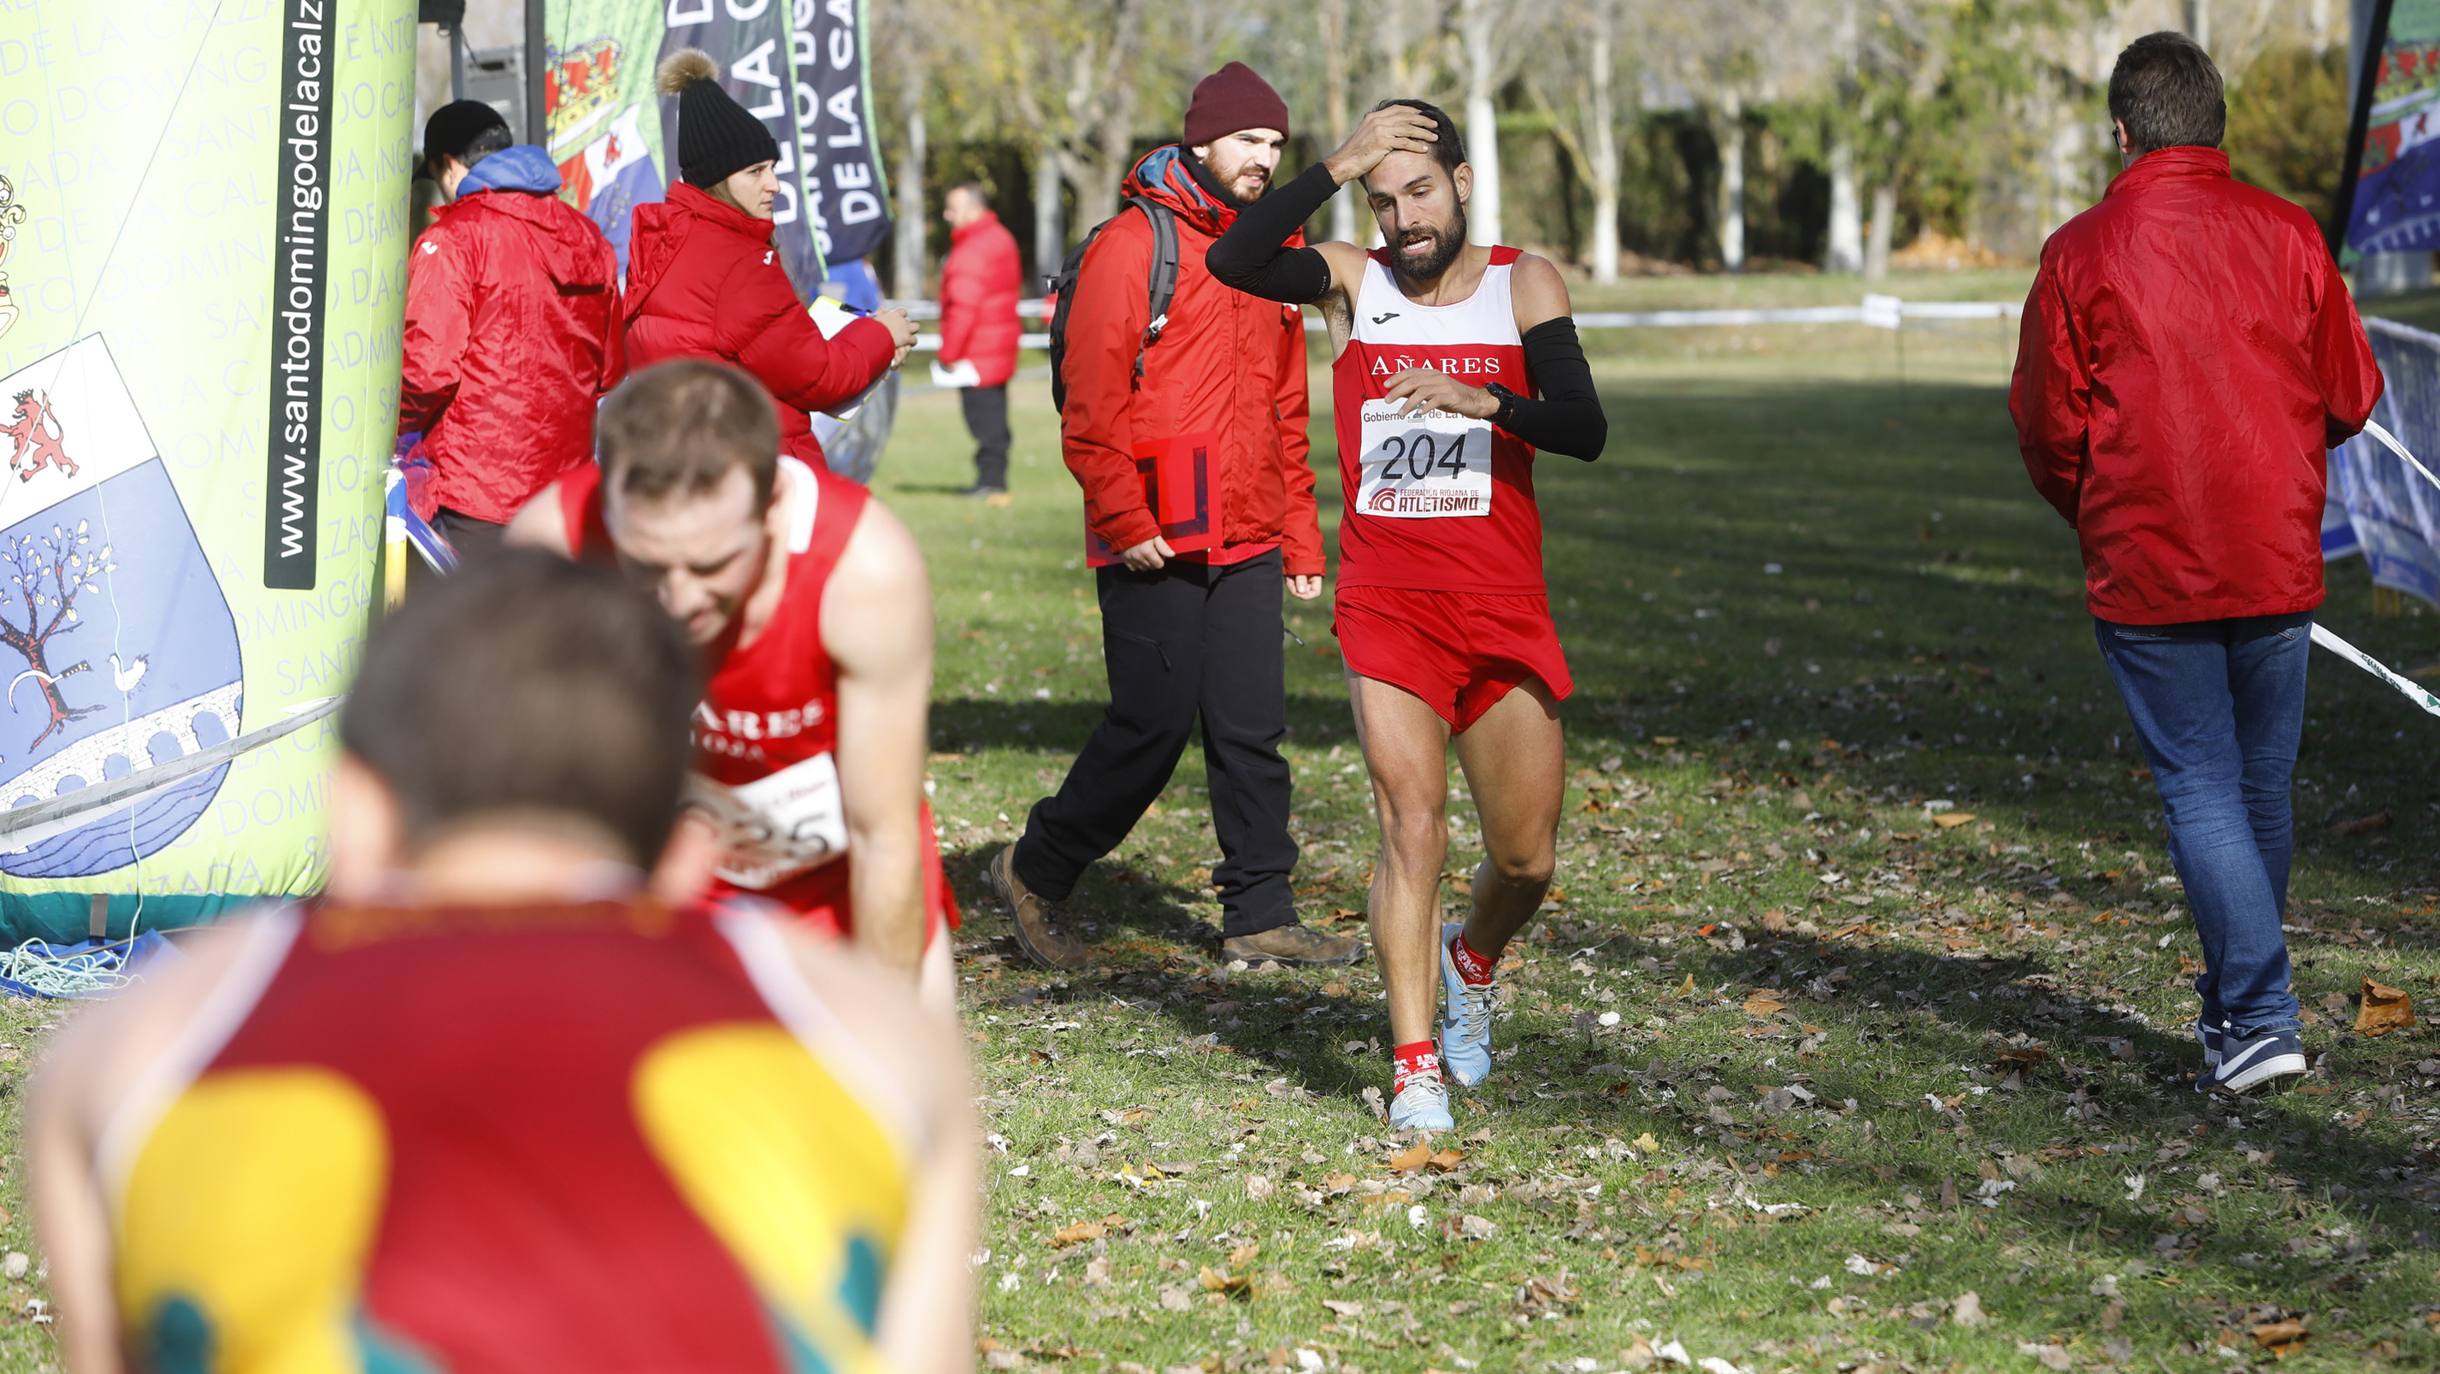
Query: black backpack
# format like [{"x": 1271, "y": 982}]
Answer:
[{"x": 1164, "y": 288}]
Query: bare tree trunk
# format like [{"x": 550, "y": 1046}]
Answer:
[
  {"x": 1336, "y": 59},
  {"x": 910, "y": 272},
  {"x": 1845, "y": 251},
  {"x": 1101, "y": 100},
  {"x": 1728, "y": 129},
  {"x": 1884, "y": 223},
  {"x": 1477, "y": 24},
  {"x": 1605, "y": 153},
  {"x": 1050, "y": 242},
  {"x": 2198, "y": 22}
]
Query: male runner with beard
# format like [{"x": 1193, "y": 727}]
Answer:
[
  {"x": 1455, "y": 363},
  {"x": 1191, "y": 631}
]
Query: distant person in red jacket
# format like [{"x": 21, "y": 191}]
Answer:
[
  {"x": 703, "y": 280},
  {"x": 979, "y": 286},
  {"x": 512, "y": 327},
  {"x": 1187, "y": 637},
  {"x": 2189, "y": 354}
]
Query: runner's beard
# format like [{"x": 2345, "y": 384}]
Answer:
[{"x": 1446, "y": 245}]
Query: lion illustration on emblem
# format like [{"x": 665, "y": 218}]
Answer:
[{"x": 41, "y": 439}]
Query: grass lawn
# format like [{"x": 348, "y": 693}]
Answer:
[{"x": 1862, "y": 989}]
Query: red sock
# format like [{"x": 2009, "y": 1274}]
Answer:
[
  {"x": 1475, "y": 967},
  {"x": 1421, "y": 1057}
]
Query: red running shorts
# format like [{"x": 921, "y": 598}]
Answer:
[{"x": 1459, "y": 651}]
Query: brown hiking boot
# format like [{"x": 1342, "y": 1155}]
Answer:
[
  {"x": 1043, "y": 942},
  {"x": 1293, "y": 944}
]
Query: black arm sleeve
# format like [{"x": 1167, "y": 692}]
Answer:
[
  {"x": 1567, "y": 417},
  {"x": 1250, "y": 256}
]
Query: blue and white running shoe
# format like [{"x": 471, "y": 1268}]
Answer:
[
  {"x": 1465, "y": 1019},
  {"x": 2252, "y": 1062},
  {"x": 1422, "y": 1105}
]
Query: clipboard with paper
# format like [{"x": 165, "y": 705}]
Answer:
[{"x": 1180, "y": 476}]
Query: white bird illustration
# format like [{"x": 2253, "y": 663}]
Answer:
[{"x": 129, "y": 676}]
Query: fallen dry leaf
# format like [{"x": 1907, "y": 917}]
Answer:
[
  {"x": 1243, "y": 1255},
  {"x": 1764, "y": 1004},
  {"x": 2383, "y": 1009},
  {"x": 1259, "y": 1186},
  {"x": 1967, "y": 1310},
  {"x": 1646, "y": 1143},
  {"x": 2280, "y": 1338},
  {"x": 1221, "y": 1281},
  {"x": 1410, "y": 1159},
  {"x": 1446, "y": 1160},
  {"x": 1950, "y": 820},
  {"x": 1078, "y": 1234},
  {"x": 2363, "y": 825}
]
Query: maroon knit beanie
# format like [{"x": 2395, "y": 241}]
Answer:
[{"x": 1231, "y": 99}]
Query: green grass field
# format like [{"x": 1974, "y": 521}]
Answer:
[{"x": 1862, "y": 989}]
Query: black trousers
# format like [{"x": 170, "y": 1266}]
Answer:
[
  {"x": 986, "y": 410},
  {"x": 473, "y": 539},
  {"x": 1190, "y": 642}
]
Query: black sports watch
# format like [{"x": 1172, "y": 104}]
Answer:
[{"x": 1508, "y": 404}]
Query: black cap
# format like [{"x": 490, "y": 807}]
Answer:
[
  {"x": 453, "y": 128},
  {"x": 716, "y": 137}
]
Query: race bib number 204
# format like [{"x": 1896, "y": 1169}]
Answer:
[{"x": 1428, "y": 465}]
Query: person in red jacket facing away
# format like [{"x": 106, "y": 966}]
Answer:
[
  {"x": 704, "y": 282},
  {"x": 979, "y": 286},
  {"x": 512, "y": 327},
  {"x": 2189, "y": 354},
  {"x": 1195, "y": 636}
]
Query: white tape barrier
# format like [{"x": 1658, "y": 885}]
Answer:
[
  {"x": 2390, "y": 442},
  {"x": 1879, "y": 313},
  {"x": 2407, "y": 687}
]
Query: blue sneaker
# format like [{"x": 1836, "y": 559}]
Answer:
[
  {"x": 1465, "y": 1019},
  {"x": 2210, "y": 1037},
  {"x": 2252, "y": 1061},
  {"x": 1422, "y": 1105}
]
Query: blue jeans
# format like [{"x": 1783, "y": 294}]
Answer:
[{"x": 2219, "y": 705}]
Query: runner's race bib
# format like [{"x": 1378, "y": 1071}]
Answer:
[
  {"x": 775, "y": 828},
  {"x": 1428, "y": 465}
]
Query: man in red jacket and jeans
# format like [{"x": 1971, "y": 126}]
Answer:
[
  {"x": 1196, "y": 635},
  {"x": 512, "y": 327},
  {"x": 979, "y": 286},
  {"x": 2189, "y": 354}
]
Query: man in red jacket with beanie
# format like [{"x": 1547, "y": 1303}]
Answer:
[
  {"x": 2189, "y": 354},
  {"x": 1195, "y": 636},
  {"x": 979, "y": 287},
  {"x": 512, "y": 327},
  {"x": 704, "y": 282}
]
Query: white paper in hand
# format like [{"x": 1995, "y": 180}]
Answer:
[
  {"x": 830, "y": 316},
  {"x": 961, "y": 374}
]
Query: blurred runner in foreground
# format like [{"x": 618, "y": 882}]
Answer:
[{"x": 491, "y": 1106}]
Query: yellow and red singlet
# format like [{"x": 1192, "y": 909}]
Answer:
[{"x": 592, "y": 1137}]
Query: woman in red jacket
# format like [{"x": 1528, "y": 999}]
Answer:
[
  {"x": 979, "y": 286},
  {"x": 704, "y": 282}
]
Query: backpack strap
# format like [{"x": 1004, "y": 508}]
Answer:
[{"x": 1164, "y": 274}]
